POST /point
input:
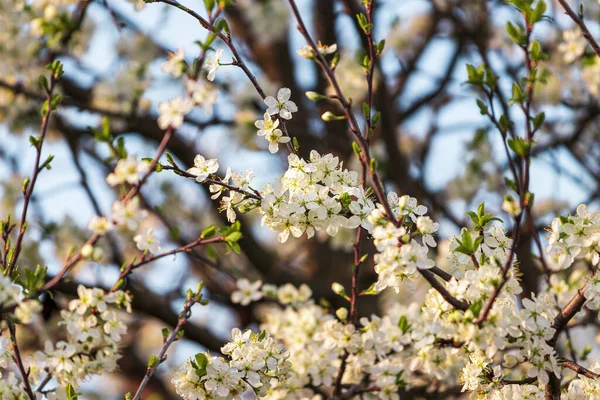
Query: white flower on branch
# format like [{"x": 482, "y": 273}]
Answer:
[
  {"x": 282, "y": 106},
  {"x": 203, "y": 168},
  {"x": 246, "y": 292},
  {"x": 128, "y": 170},
  {"x": 213, "y": 63},
  {"x": 175, "y": 64},
  {"x": 172, "y": 112},
  {"x": 147, "y": 241}
]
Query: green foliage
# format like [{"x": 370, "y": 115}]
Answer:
[
  {"x": 232, "y": 234},
  {"x": 466, "y": 244},
  {"x": 363, "y": 23},
  {"x": 209, "y": 232},
  {"x": 481, "y": 219},
  {"x": 199, "y": 364},
  {"x": 72, "y": 394},
  {"x": 519, "y": 145},
  {"x": 34, "y": 279}
]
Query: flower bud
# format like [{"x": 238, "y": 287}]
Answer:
[
  {"x": 338, "y": 289},
  {"x": 329, "y": 116},
  {"x": 87, "y": 251},
  {"x": 511, "y": 206},
  {"x": 98, "y": 254},
  {"x": 342, "y": 313},
  {"x": 314, "y": 96}
]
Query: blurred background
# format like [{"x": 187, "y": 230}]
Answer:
[{"x": 432, "y": 143}]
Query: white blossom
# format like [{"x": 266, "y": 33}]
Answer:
[{"x": 282, "y": 106}]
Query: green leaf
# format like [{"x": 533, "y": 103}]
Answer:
[
  {"x": 373, "y": 164},
  {"x": 44, "y": 83},
  {"x": 45, "y": 107},
  {"x": 370, "y": 291},
  {"x": 404, "y": 324},
  {"x": 519, "y": 146},
  {"x": 366, "y": 110},
  {"x": 199, "y": 363},
  {"x": 72, "y": 394},
  {"x": 221, "y": 25},
  {"x": 209, "y": 4},
  {"x": 518, "y": 96},
  {"x": 211, "y": 252},
  {"x": 56, "y": 99},
  {"x": 209, "y": 232},
  {"x": 538, "y": 120},
  {"x": 262, "y": 336},
  {"x": 475, "y": 75},
  {"x": 153, "y": 361},
  {"x": 376, "y": 118},
  {"x": 483, "y": 109},
  {"x": 233, "y": 237},
  {"x": 516, "y": 33},
  {"x": 490, "y": 79}
]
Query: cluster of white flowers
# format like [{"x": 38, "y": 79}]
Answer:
[
  {"x": 248, "y": 292},
  {"x": 574, "y": 237},
  {"x": 583, "y": 388},
  {"x": 398, "y": 259},
  {"x": 128, "y": 170},
  {"x": 280, "y": 107},
  {"x": 268, "y": 128},
  {"x": 93, "y": 333},
  {"x": 431, "y": 340},
  {"x": 127, "y": 215},
  {"x": 204, "y": 168},
  {"x": 253, "y": 362},
  {"x": 314, "y": 195},
  {"x": 199, "y": 93},
  {"x": 316, "y": 341},
  {"x": 94, "y": 328},
  {"x": 12, "y": 388}
]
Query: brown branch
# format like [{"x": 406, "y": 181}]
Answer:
[
  {"x": 173, "y": 336},
  {"x": 28, "y": 191},
  {"x": 437, "y": 285},
  {"x": 187, "y": 248},
  {"x": 19, "y": 361},
  {"x": 579, "y": 369}
]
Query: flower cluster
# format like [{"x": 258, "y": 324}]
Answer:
[
  {"x": 574, "y": 237},
  {"x": 248, "y": 292},
  {"x": 253, "y": 362},
  {"x": 199, "y": 93},
  {"x": 314, "y": 195},
  {"x": 400, "y": 257},
  {"x": 128, "y": 170},
  {"x": 280, "y": 107},
  {"x": 94, "y": 330}
]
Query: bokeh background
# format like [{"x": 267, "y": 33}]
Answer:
[{"x": 432, "y": 144}]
